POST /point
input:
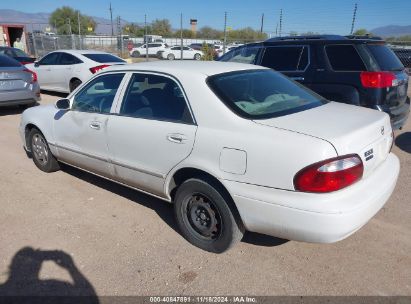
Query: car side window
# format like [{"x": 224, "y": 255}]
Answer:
[
  {"x": 175, "y": 48},
  {"x": 98, "y": 95},
  {"x": 344, "y": 57},
  {"x": 155, "y": 97},
  {"x": 50, "y": 59},
  {"x": 286, "y": 58},
  {"x": 68, "y": 59},
  {"x": 242, "y": 55}
]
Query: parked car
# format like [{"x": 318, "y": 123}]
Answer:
[
  {"x": 235, "y": 147},
  {"x": 199, "y": 47},
  {"x": 17, "y": 54},
  {"x": 63, "y": 71},
  {"x": 153, "y": 49},
  {"x": 175, "y": 53},
  {"x": 18, "y": 85},
  {"x": 355, "y": 70}
]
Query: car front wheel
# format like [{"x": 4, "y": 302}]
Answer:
[
  {"x": 206, "y": 216},
  {"x": 197, "y": 56},
  {"x": 42, "y": 156}
]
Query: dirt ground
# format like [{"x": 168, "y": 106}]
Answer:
[{"x": 86, "y": 235}]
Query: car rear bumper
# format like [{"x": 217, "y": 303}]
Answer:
[
  {"x": 19, "y": 97},
  {"x": 398, "y": 115},
  {"x": 318, "y": 218}
]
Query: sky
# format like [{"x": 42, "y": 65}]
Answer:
[{"x": 322, "y": 16}]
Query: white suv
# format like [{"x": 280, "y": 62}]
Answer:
[{"x": 153, "y": 49}]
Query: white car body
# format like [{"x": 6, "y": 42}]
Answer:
[
  {"x": 254, "y": 160},
  {"x": 60, "y": 74},
  {"x": 174, "y": 52},
  {"x": 153, "y": 49}
]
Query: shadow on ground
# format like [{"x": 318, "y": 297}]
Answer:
[
  {"x": 163, "y": 209},
  {"x": 24, "y": 282},
  {"x": 403, "y": 141},
  {"x": 55, "y": 94},
  {"x": 14, "y": 110}
]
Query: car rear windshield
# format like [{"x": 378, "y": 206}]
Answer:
[
  {"x": 385, "y": 57},
  {"x": 259, "y": 94},
  {"x": 103, "y": 58},
  {"x": 6, "y": 61}
]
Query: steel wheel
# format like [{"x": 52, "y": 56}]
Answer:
[
  {"x": 39, "y": 149},
  {"x": 203, "y": 217}
]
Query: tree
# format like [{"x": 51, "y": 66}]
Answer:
[
  {"x": 135, "y": 30},
  {"x": 246, "y": 34},
  {"x": 161, "y": 27},
  {"x": 361, "y": 32},
  {"x": 207, "y": 32},
  {"x": 65, "y": 19}
]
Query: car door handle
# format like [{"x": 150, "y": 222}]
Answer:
[
  {"x": 95, "y": 125},
  {"x": 298, "y": 78},
  {"x": 176, "y": 138}
]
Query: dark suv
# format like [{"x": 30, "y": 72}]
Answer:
[{"x": 356, "y": 70}]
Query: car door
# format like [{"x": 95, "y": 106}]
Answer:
[
  {"x": 81, "y": 132},
  {"x": 64, "y": 70},
  {"x": 153, "y": 131},
  {"x": 291, "y": 60},
  {"x": 45, "y": 70}
]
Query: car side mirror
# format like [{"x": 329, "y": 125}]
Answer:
[
  {"x": 36, "y": 64},
  {"x": 63, "y": 104}
]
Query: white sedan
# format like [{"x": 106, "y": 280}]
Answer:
[
  {"x": 64, "y": 70},
  {"x": 234, "y": 147},
  {"x": 175, "y": 53}
]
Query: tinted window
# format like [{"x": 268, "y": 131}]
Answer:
[
  {"x": 19, "y": 53},
  {"x": 154, "y": 45},
  {"x": 50, "y": 59},
  {"x": 385, "y": 57},
  {"x": 289, "y": 58},
  {"x": 262, "y": 94},
  {"x": 98, "y": 95},
  {"x": 67, "y": 59},
  {"x": 344, "y": 58},
  {"x": 155, "y": 97},
  {"x": 103, "y": 58},
  {"x": 175, "y": 48},
  {"x": 6, "y": 61},
  {"x": 241, "y": 55}
]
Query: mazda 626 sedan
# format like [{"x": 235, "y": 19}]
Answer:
[{"x": 234, "y": 147}]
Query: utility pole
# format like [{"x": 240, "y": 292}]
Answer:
[
  {"x": 281, "y": 22},
  {"x": 225, "y": 31},
  {"x": 354, "y": 15},
  {"x": 276, "y": 30},
  {"x": 79, "y": 29},
  {"x": 145, "y": 35},
  {"x": 181, "y": 35},
  {"x": 69, "y": 25},
  {"x": 111, "y": 17},
  {"x": 262, "y": 23},
  {"x": 120, "y": 33}
]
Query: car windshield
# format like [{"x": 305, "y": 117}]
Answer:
[
  {"x": 20, "y": 53},
  {"x": 385, "y": 57},
  {"x": 103, "y": 58},
  {"x": 259, "y": 94}
]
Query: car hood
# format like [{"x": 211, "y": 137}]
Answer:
[{"x": 350, "y": 129}]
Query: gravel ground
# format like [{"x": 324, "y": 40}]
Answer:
[{"x": 81, "y": 234}]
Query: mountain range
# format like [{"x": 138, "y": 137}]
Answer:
[{"x": 39, "y": 21}]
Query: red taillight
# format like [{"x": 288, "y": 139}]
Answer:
[
  {"x": 378, "y": 79},
  {"x": 330, "y": 175},
  {"x": 94, "y": 70},
  {"x": 25, "y": 62},
  {"x": 33, "y": 75}
]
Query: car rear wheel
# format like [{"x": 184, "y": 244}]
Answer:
[
  {"x": 171, "y": 57},
  {"x": 42, "y": 156},
  {"x": 206, "y": 216},
  {"x": 74, "y": 84},
  {"x": 135, "y": 54},
  {"x": 197, "y": 56}
]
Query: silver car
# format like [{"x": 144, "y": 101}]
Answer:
[{"x": 18, "y": 85}]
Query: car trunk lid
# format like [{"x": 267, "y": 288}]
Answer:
[
  {"x": 349, "y": 129},
  {"x": 14, "y": 78}
]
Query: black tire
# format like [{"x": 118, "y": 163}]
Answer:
[
  {"x": 171, "y": 57},
  {"x": 74, "y": 84},
  {"x": 206, "y": 216},
  {"x": 42, "y": 156},
  {"x": 197, "y": 56},
  {"x": 135, "y": 54}
]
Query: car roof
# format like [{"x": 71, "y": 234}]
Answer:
[
  {"x": 81, "y": 52},
  {"x": 205, "y": 68}
]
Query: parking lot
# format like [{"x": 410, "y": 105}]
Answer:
[{"x": 123, "y": 242}]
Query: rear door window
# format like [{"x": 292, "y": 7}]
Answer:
[
  {"x": 385, "y": 58},
  {"x": 344, "y": 58},
  {"x": 103, "y": 58},
  {"x": 68, "y": 59},
  {"x": 286, "y": 58}
]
